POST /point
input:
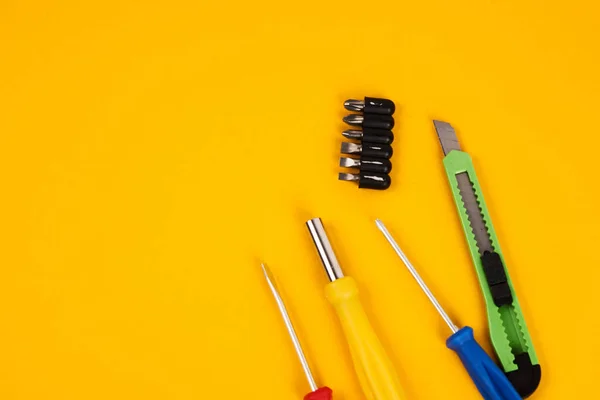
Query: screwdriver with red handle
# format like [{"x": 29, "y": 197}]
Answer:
[{"x": 317, "y": 393}]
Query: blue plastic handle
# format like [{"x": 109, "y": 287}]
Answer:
[{"x": 489, "y": 379}]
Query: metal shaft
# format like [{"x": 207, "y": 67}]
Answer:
[
  {"x": 290, "y": 328},
  {"x": 416, "y": 275},
  {"x": 328, "y": 258}
]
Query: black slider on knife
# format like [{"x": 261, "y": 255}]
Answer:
[
  {"x": 370, "y": 121},
  {"x": 368, "y": 180},
  {"x": 370, "y": 135},
  {"x": 367, "y": 164},
  {"x": 371, "y": 105},
  {"x": 368, "y": 150}
]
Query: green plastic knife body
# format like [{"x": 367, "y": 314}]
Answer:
[{"x": 508, "y": 331}]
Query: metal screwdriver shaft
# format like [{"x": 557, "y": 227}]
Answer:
[
  {"x": 290, "y": 328},
  {"x": 316, "y": 393},
  {"x": 416, "y": 275}
]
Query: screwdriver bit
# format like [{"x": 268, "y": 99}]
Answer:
[
  {"x": 371, "y": 105},
  {"x": 370, "y": 121},
  {"x": 368, "y": 180},
  {"x": 368, "y": 149},
  {"x": 370, "y": 135},
  {"x": 367, "y": 164}
]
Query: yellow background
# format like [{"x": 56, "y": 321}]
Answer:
[{"x": 152, "y": 153}]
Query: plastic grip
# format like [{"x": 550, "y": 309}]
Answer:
[
  {"x": 377, "y": 150},
  {"x": 373, "y": 164},
  {"x": 374, "y": 180},
  {"x": 374, "y": 105},
  {"x": 374, "y": 369},
  {"x": 378, "y": 121},
  {"x": 380, "y": 136},
  {"x": 323, "y": 393},
  {"x": 487, "y": 376}
]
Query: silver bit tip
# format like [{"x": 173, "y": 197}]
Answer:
[
  {"x": 354, "y": 119},
  {"x": 348, "y": 177},
  {"x": 268, "y": 274},
  {"x": 353, "y": 134},
  {"x": 351, "y": 148},
  {"x": 447, "y": 136},
  {"x": 354, "y": 105},
  {"x": 348, "y": 162}
]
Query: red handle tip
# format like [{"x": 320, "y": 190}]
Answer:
[{"x": 323, "y": 393}]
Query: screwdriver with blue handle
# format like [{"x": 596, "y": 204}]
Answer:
[{"x": 487, "y": 376}]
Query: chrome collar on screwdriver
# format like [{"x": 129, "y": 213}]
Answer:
[{"x": 330, "y": 262}]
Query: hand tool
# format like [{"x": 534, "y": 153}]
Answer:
[
  {"x": 489, "y": 379},
  {"x": 368, "y": 149},
  {"x": 370, "y": 121},
  {"x": 508, "y": 331},
  {"x": 371, "y": 105},
  {"x": 370, "y": 135},
  {"x": 367, "y": 164},
  {"x": 323, "y": 393},
  {"x": 373, "y": 367},
  {"x": 368, "y": 180}
]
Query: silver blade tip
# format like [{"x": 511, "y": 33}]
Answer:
[
  {"x": 348, "y": 162},
  {"x": 441, "y": 124},
  {"x": 350, "y": 148},
  {"x": 348, "y": 177},
  {"x": 447, "y": 136}
]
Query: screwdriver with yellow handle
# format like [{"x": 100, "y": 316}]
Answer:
[{"x": 374, "y": 369}]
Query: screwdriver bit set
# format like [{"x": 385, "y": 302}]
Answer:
[
  {"x": 515, "y": 372},
  {"x": 374, "y": 149}
]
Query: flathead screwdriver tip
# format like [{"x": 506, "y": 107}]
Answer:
[
  {"x": 348, "y": 177},
  {"x": 350, "y": 148},
  {"x": 348, "y": 162},
  {"x": 367, "y": 164},
  {"x": 368, "y": 180},
  {"x": 368, "y": 149}
]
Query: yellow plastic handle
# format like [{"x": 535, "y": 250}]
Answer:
[{"x": 375, "y": 371}]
